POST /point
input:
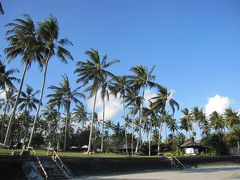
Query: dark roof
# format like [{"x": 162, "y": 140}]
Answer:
[{"x": 190, "y": 143}]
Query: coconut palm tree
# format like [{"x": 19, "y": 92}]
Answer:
[
  {"x": 6, "y": 78},
  {"x": 199, "y": 116},
  {"x": 153, "y": 117},
  {"x": 186, "y": 121},
  {"x": 51, "y": 117},
  {"x": 27, "y": 100},
  {"x": 171, "y": 124},
  {"x": 51, "y": 44},
  {"x": 22, "y": 42},
  {"x": 232, "y": 118},
  {"x": 217, "y": 121},
  {"x": 67, "y": 95},
  {"x": 6, "y": 103},
  {"x": 27, "y": 103},
  {"x": 118, "y": 87},
  {"x": 80, "y": 115},
  {"x": 104, "y": 96},
  {"x": 160, "y": 103},
  {"x": 141, "y": 79},
  {"x": 93, "y": 71}
]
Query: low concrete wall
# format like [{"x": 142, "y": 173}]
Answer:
[
  {"x": 11, "y": 167},
  {"x": 86, "y": 166}
]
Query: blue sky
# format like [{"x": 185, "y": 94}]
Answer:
[{"x": 195, "y": 45}]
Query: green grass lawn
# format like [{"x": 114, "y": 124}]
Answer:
[{"x": 75, "y": 154}]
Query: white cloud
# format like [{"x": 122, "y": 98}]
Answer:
[
  {"x": 217, "y": 103},
  {"x": 112, "y": 107},
  {"x": 148, "y": 95}
]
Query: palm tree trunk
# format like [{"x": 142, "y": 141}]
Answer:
[
  {"x": 132, "y": 135},
  {"x": 140, "y": 123},
  {"x": 40, "y": 102},
  {"x": 3, "y": 122},
  {"x": 159, "y": 137},
  {"x": 91, "y": 127},
  {"x": 103, "y": 125},
  {"x": 150, "y": 138},
  {"x": 7, "y": 137},
  {"x": 125, "y": 125},
  {"x": 66, "y": 129}
]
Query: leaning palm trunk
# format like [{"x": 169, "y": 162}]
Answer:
[
  {"x": 7, "y": 137},
  {"x": 159, "y": 137},
  {"x": 140, "y": 123},
  {"x": 103, "y": 125},
  {"x": 91, "y": 126},
  {"x": 40, "y": 102},
  {"x": 125, "y": 129}
]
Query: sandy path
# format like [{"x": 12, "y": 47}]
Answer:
[{"x": 216, "y": 172}]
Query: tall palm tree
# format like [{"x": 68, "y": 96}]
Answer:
[
  {"x": 93, "y": 71},
  {"x": 6, "y": 78},
  {"x": 7, "y": 103},
  {"x": 104, "y": 96},
  {"x": 22, "y": 42},
  {"x": 186, "y": 121},
  {"x": 67, "y": 95},
  {"x": 48, "y": 35},
  {"x": 160, "y": 103},
  {"x": 232, "y": 118},
  {"x": 141, "y": 79},
  {"x": 217, "y": 121},
  {"x": 119, "y": 87}
]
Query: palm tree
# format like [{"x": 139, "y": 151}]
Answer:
[
  {"x": 51, "y": 116},
  {"x": 67, "y": 95},
  {"x": 186, "y": 121},
  {"x": 118, "y": 87},
  {"x": 48, "y": 34},
  {"x": 160, "y": 102},
  {"x": 104, "y": 95},
  {"x": 199, "y": 116},
  {"x": 141, "y": 79},
  {"x": 93, "y": 71},
  {"x": 7, "y": 103},
  {"x": 232, "y": 118},
  {"x": 80, "y": 115},
  {"x": 28, "y": 102},
  {"x": 153, "y": 118},
  {"x": 6, "y": 78},
  {"x": 171, "y": 124},
  {"x": 22, "y": 42},
  {"x": 217, "y": 121}
]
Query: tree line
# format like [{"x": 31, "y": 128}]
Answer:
[{"x": 39, "y": 43}]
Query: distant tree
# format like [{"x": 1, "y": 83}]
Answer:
[
  {"x": 217, "y": 121},
  {"x": 186, "y": 121},
  {"x": 232, "y": 118}
]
